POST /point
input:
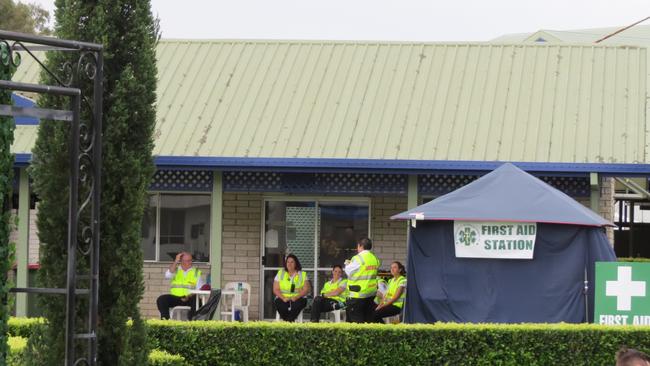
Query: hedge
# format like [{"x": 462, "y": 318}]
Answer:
[
  {"x": 18, "y": 345},
  {"x": 264, "y": 343},
  {"x": 162, "y": 358},
  {"x": 24, "y": 327},
  {"x": 635, "y": 259},
  {"x": 267, "y": 343}
]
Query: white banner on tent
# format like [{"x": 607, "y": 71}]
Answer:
[{"x": 500, "y": 240}]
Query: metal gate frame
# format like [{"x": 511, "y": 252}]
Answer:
[{"x": 85, "y": 170}]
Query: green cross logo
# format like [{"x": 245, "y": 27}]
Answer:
[{"x": 468, "y": 236}]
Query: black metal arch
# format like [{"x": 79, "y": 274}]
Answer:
[{"x": 85, "y": 171}]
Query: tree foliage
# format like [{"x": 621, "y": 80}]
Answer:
[
  {"x": 128, "y": 32},
  {"x": 6, "y": 183},
  {"x": 25, "y": 18}
]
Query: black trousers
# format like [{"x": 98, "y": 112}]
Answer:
[
  {"x": 386, "y": 311},
  {"x": 360, "y": 310},
  {"x": 321, "y": 305},
  {"x": 167, "y": 301},
  {"x": 289, "y": 310}
]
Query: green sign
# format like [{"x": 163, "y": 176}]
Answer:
[{"x": 622, "y": 296}]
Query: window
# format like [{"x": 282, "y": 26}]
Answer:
[{"x": 176, "y": 222}]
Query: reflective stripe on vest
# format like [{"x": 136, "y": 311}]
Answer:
[
  {"x": 285, "y": 282},
  {"x": 182, "y": 283},
  {"x": 330, "y": 286},
  {"x": 393, "y": 285},
  {"x": 366, "y": 277}
]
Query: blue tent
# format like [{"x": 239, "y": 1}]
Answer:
[{"x": 570, "y": 238}]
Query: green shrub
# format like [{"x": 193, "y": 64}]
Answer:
[
  {"x": 17, "y": 346},
  {"x": 24, "y": 327},
  {"x": 263, "y": 343},
  {"x": 635, "y": 259},
  {"x": 162, "y": 358}
]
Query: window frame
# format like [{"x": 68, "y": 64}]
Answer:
[
  {"x": 158, "y": 200},
  {"x": 306, "y": 198}
]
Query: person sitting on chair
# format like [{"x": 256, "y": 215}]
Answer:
[
  {"x": 183, "y": 280},
  {"x": 332, "y": 296},
  {"x": 290, "y": 288},
  {"x": 393, "y": 301}
]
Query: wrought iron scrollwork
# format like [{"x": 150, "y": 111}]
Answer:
[{"x": 81, "y": 81}]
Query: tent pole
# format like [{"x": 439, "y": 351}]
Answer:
[{"x": 586, "y": 292}]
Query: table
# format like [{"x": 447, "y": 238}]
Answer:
[{"x": 202, "y": 297}]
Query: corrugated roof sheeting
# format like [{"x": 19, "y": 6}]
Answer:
[
  {"x": 402, "y": 101},
  {"x": 638, "y": 35},
  {"x": 483, "y": 102}
]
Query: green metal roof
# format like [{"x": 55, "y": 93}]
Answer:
[
  {"x": 369, "y": 100},
  {"x": 638, "y": 35}
]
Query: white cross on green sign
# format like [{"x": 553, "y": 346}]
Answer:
[{"x": 622, "y": 295}]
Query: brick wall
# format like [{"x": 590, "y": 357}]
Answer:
[
  {"x": 606, "y": 204},
  {"x": 242, "y": 220},
  {"x": 389, "y": 236}
]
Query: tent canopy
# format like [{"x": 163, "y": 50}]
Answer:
[{"x": 507, "y": 194}]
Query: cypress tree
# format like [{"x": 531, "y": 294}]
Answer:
[
  {"x": 128, "y": 32},
  {"x": 6, "y": 176}
]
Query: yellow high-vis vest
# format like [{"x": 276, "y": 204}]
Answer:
[
  {"x": 393, "y": 285},
  {"x": 363, "y": 283},
  {"x": 286, "y": 281},
  {"x": 182, "y": 283},
  {"x": 330, "y": 286}
]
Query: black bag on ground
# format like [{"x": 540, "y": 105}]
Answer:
[{"x": 206, "y": 312}]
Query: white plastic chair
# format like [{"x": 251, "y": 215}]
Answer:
[
  {"x": 338, "y": 315},
  {"x": 298, "y": 319},
  {"x": 236, "y": 302},
  {"x": 179, "y": 313}
]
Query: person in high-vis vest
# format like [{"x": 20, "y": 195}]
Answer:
[
  {"x": 393, "y": 301},
  {"x": 362, "y": 283},
  {"x": 290, "y": 288},
  {"x": 183, "y": 280},
  {"x": 332, "y": 296}
]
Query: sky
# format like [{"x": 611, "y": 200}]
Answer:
[{"x": 383, "y": 20}]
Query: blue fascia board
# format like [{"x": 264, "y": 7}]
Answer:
[
  {"x": 384, "y": 166},
  {"x": 20, "y": 101},
  {"x": 400, "y": 166},
  {"x": 22, "y": 160}
]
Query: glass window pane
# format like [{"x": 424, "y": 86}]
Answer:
[
  {"x": 290, "y": 227},
  {"x": 148, "y": 231},
  {"x": 185, "y": 226},
  {"x": 341, "y": 225}
]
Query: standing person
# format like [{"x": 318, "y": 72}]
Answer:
[
  {"x": 183, "y": 280},
  {"x": 393, "y": 302},
  {"x": 631, "y": 357},
  {"x": 290, "y": 288},
  {"x": 332, "y": 296},
  {"x": 362, "y": 283}
]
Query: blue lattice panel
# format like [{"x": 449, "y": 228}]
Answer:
[
  {"x": 439, "y": 184},
  {"x": 316, "y": 183},
  {"x": 252, "y": 181},
  {"x": 572, "y": 186},
  {"x": 182, "y": 180}
]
